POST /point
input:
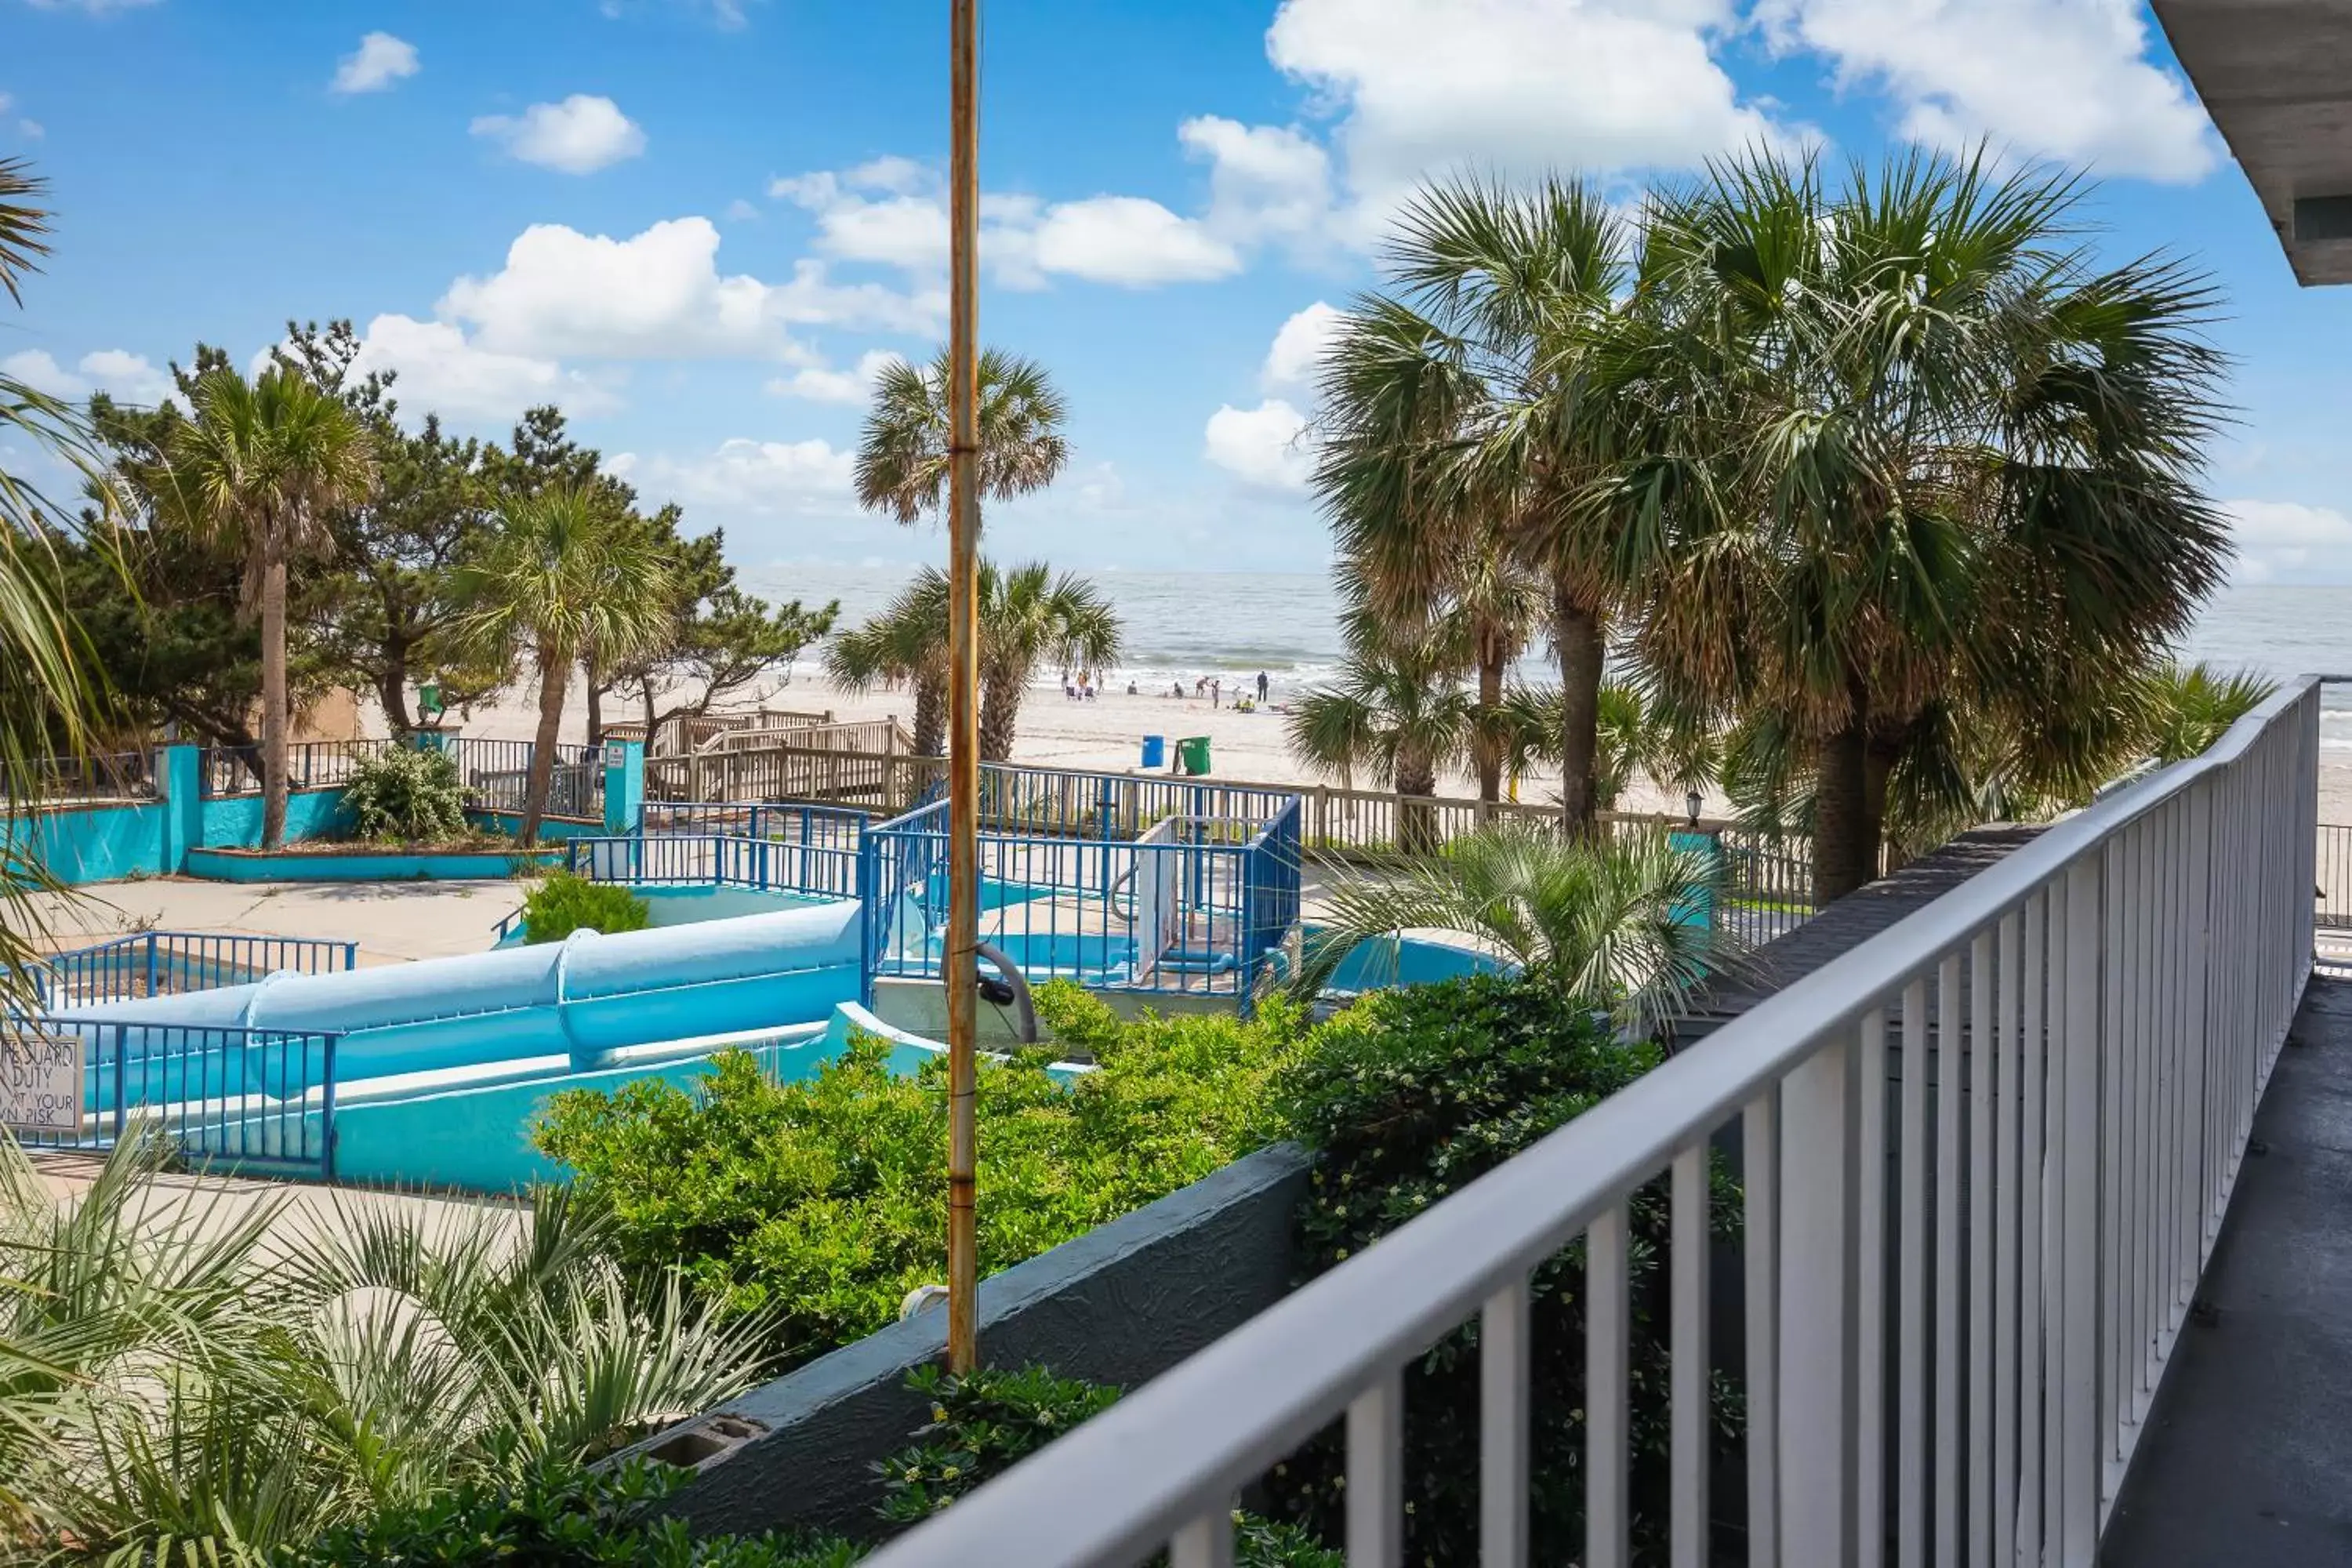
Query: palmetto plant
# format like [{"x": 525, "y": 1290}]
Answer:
[
  {"x": 1397, "y": 712},
  {"x": 47, "y": 683},
  {"x": 1911, "y": 469},
  {"x": 563, "y": 571},
  {"x": 263, "y": 462},
  {"x": 902, "y": 453},
  {"x": 1611, "y": 922},
  {"x": 1460, "y": 424},
  {"x": 179, "y": 1382},
  {"x": 1030, "y": 618},
  {"x": 907, "y": 642}
]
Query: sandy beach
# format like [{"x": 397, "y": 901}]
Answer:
[
  {"x": 1104, "y": 734},
  {"x": 1107, "y": 735}
]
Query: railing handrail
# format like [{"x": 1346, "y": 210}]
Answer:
[{"x": 1121, "y": 1485}]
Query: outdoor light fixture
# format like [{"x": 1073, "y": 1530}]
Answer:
[{"x": 1693, "y": 801}]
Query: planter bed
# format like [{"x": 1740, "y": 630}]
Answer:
[{"x": 366, "y": 863}]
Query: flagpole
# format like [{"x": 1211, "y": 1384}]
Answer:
[{"x": 960, "y": 963}]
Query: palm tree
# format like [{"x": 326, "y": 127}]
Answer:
[
  {"x": 1460, "y": 426},
  {"x": 180, "y": 1382},
  {"x": 1609, "y": 921},
  {"x": 49, "y": 688},
  {"x": 1398, "y": 711},
  {"x": 902, "y": 454},
  {"x": 564, "y": 571},
  {"x": 1028, "y": 618},
  {"x": 264, "y": 462},
  {"x": 1633, "y": 739},
  {"x": 1914, "y": 467},
  {"x": 907, "y": 642}
]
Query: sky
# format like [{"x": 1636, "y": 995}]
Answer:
[{"x": 698, "y": 225}]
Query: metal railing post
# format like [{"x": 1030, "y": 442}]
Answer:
[{"x": 1814, "y": 1443}]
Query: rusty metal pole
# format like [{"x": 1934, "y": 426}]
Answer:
[{"x": 958, "y": 968}]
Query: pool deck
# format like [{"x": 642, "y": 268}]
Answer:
[
  {"x": 392, "y": 921},
  {"x": 217, "y": 1204}
]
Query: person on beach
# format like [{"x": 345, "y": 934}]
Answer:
[{"x": 1263, "y": 686}]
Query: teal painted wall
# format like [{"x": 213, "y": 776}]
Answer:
[
  {"x": 81, "y": 844},
  {"x": 390, "y": 866},
  {"x": 551, "y": 829},
  {"x": 233, "y": 822}
]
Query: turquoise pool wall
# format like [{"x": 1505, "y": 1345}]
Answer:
[
  {"x": 479, "y": 1140},
  {"x": 692, "y": 904},
  {"x": 581, "y": 998}
]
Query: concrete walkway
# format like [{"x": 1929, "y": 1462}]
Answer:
[
  {"x": 217, "y": 1204},
  {"x": 392, "y": 921},
  {"x": 2247, "y": 1457}
]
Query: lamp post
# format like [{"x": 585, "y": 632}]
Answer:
[
  {"x": 1692, "y": 802},
  {"x": 959, "y": 962}
]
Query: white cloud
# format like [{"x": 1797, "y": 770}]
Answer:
[
  {"x": 578, "y": 136},
  {"x": 743, "y": 475},
  {"x": 659, "y": 295},
  {"x": 1299, "y": 348},
  {"x": 1264, "y": 180},
  {"x": 31, "y": 130},
  {"x": 2287, "y": 539},
  {"x": 893, "y": 212},
  {"x": 2069, "y": 80},
  {"x": 1129, "y": 241},
  {"x": 1262, "y": 446},
  {"x": 820, "y": 384},
  {"x": 741, "y": 211},
  {"x": 444, "y": 372},
  {"x": 129, "y": 377},
  {"x": 380, "y": 61},
  {"x": 1516, "y": 86}
]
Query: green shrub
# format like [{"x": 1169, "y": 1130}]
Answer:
[
  {"x": 407, "y": 795},
  {"x": 554, "y": 1514},
  {"x": 558, "y": 1515},
  {"x": 982, "y": 1424},
  {"x": 825, "y": 1201},
  {"x": 1407, "y": 1097},
  {"x": 562, "y": 903}
]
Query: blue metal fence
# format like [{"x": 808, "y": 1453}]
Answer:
[
  {"x": 159, "y": 962},
  {"x": 310, "y": 765},
  {"x": 258, "y": 1100},
  {"x": 108, "y": 775},
  {"x": 828, "y": 826},
  {"x": 726, "y": 860},
  {"x": 1180, "y": 904}
]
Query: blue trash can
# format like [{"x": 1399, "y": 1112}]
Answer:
[{"x": 1155, "y": 751}]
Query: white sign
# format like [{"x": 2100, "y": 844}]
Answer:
[
  {"x": 616, "y": 754},
  {"x": 40, "y": 1081}
]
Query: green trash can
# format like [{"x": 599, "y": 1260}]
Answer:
[{"x": 1194, "y": 752}]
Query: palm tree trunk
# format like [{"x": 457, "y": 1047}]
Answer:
[
  {"x": 931, "y": 715},
  {"x": 274, "y": 716},
  {"x": 555, "y": 675},
  {"x": 1880, "y": 752},
  {"x": 1583, "y": 646},
  {"x": 1843, "y": 850},
  {"x": 1000, "y": 713},
  {"x": 1417, "y": 776},
  {"x": 1487, "y": 740},
  {"x": 595, "y": 702}
]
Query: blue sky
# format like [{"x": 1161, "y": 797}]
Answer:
[{"x": 695, "y": 224}]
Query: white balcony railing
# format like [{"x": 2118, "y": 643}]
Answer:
[{"x": 1953, "y": 1320}]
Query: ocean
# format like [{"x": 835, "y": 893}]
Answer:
[{"x": 1181, "y": 626}]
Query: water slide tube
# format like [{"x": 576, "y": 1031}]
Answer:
[{"x": 589, "y": 997}]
